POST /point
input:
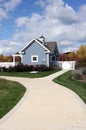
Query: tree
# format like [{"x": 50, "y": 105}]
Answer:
[
  {"x": 5, "y": 58},
  {"x": 81, "y": 54},
  {"x": 72, "y": 56},
  {"x": 69, "y": 56},
  {"x": 62, "y": 57},
  {"x": 1, "y": 58}
]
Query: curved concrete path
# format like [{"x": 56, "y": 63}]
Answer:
[{"x": 45, "y": 106}]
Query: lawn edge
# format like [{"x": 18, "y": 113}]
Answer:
[{"x": 19, "y": 103}]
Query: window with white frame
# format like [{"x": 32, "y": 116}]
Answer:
[{"x": 34, "y": 58}]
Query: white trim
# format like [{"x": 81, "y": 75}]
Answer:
[
  {"x": 28, "y": 43},
  {"x": 43, "y": 46},
  {"x": 47, "y": 59},
  {"x": 17, "y": 55},
  {"x": 33, "y": 57}
]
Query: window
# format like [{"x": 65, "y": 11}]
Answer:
[{"x": 34, "y": 58}]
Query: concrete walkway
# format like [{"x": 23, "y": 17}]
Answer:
[{"x": 45, "y": 106}]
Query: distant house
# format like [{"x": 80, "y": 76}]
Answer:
[
  {"x": 37, "y": 52},
  {"x": 40, "y": 52}
]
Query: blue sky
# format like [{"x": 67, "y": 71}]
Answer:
[
  {"x": 75, "y": 3},
  {"x": 63, "y": 21}
]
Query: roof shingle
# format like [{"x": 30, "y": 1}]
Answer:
[{"x": 51, "y": 46}]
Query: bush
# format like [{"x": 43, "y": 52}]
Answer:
[
  {"x": 26, "y": 68},
  {"x": 80, "y": 64},
  {"x": 3, "y": 69},
  {"x": 11, "y": 69},
  {"x": 43, "y": 68},
  {"x": 84, "y": 72},
  {"x": 77, "y": 76},
  {"x": 19, "y": 68}
]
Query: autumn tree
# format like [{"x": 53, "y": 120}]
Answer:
[
  {"x": 5, "y": 58},
  {"x": 69, "y": 56},
  {"x": 81, "y": 54},
  {"x": 1, "y": 58},
  {"x": 62, "y": 57}
]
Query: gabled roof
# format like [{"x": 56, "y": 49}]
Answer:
[
  {"x": 51, "y": 46},
  {"x": 32, "y": 41},
  {"x": 48, "y": 46}
]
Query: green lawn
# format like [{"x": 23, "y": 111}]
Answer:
[
  {"x": 28, "y": 74},
  {"x": 10, "y": 94},
  {"x": 77, "y": 86}
]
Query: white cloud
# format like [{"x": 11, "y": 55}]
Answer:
[
  {"x": 40, "y": 3},
  {"x": 65, "y": 43},
  {"x": 11, "y": 4},
  {"x": 82, "y": 12},
  {"x": 60, "y": 10},
  {"x": 70, "y": 49},
  {"x": 6, "y": 6},
  {"x": 58, "y": 21},
  {"x": 26, "y": 21},
  {"x": 2, "y": 14},
  {"x": 9, "y": 47},
  {"x": 6, "y": 50},
  {"x": 4, "y": 47},
  {"x": 67, "y": 15},
  {"x": 13, "y": 43},
  {"x": 22, "y": 21}
]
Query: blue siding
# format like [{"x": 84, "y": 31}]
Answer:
[{"x": 35, "y": 49}]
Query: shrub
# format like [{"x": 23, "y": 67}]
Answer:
[
  {"x": 19, "y": 68},
  {"x": 11, "y": 69},
  {"x": 84, "y": 72},
  {"x": 77, "y": 76},
  {"x": 80, "y": 64},
  {"x": 3, "y": 69},
  {"x": 43, "y": 68},
  {"x": 26, "y": 68}
]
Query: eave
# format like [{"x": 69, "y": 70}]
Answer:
[{"x": 29, "y": 43}]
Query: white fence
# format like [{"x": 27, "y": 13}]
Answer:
[
  {"x": 7, "y": 64},
  {"x": 67, "y": 65}
]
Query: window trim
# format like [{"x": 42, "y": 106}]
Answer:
[{"x": 33, "y": 57}]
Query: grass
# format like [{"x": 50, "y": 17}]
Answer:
[
  {"x": 77, "y": 86},
  {"x": 10, "y": 94},
  {"x": 28, "y": 74}
]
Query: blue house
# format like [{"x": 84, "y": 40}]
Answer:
[{"x": 38, "y": 52}]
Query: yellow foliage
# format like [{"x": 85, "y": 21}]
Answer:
[{"x": 81, "y": 53}]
